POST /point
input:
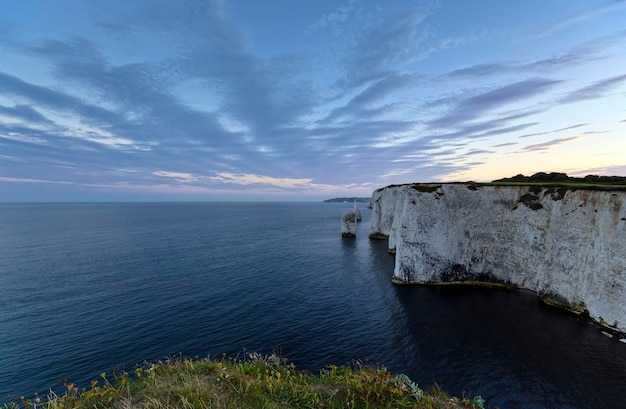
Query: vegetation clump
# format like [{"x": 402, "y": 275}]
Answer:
[
  {"x": 256, "y": 382},
  {"x": 531, "y": 201},
  {"x": 425, "y": 188},
  {"x": 557, "y": 193}
]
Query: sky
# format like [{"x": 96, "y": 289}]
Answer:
[{"x": 184, "y": 100}]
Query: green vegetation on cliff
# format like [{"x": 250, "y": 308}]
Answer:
[
  {"x": 256, "y": 382},
  {"x": 590, "y": 182},
  {"x": 556, "y": 177},
  {"x": 552, "y": 180}
]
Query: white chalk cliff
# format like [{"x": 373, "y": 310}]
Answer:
[{"x": 566, "y": 245}]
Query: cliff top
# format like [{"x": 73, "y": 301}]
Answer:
[
  {"x": 552, "y": 179},
  {"x": 563, "y": 178}
]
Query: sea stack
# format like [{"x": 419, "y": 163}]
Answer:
[
  {"x": 348, "y": 224},
  {"x": 357, "y": 212}
]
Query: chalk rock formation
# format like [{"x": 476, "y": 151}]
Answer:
[
  {"x": 348, "y": 224},
  {"x": 357, "y": 212},
  {"x": 568, "y": 246}
]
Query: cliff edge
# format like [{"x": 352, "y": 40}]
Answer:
[{"x": 569, "y": 246}]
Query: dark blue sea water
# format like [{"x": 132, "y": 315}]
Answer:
[{"x": 86, "y": 288}]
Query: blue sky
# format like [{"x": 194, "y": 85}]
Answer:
[{"x": 303, "y": 100}]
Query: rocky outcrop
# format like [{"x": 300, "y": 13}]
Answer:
[
  {"x": 569, "y": 246},
  {"x": 348, "y": 224}
]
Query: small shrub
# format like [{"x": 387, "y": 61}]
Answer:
[
  {"x": 531, "y": 201},
  {"x": 425, "y": 188}
]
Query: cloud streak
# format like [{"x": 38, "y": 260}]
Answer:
[
  {"x": 595, "y": 91},
  {"x": 577, "y": 18},
  {"x": 550, "y": 144}
]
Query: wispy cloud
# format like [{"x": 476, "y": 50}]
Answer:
[
  {"x": 567, "y": 128},
  {"x": 251, "y": 179},
  {"x": 390, "y": 42},
  {"x": 177, "y": 176},
  {"x": 601, "y": 171},
  {"x": 362, "y": 104},
  {"x": 580, "y": 54},
  {"x": 23, "y": 112},
  {"x": 477, "y": 152},
  {"x": 336, "y": 17},
  {"x": 478, "y": 105},
  {"x": 595, "y": 90},
  {"x": 500, "y": 145},
  {"x": 591, "y": 13},
  {"x": 550, "y": 144}
]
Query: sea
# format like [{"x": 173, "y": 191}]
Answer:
[{"x": 87, "y": 288}]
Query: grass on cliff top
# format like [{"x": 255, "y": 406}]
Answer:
[
  {"x": 568, "y": 185},
  {"x": 557, "y": 179},
  {"x": 431, "y": 187},
  {"x": 257, "y": 382}
]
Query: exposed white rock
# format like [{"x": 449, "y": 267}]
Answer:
[
  {"x": 565, "y": 245},
  {"x": 348, "y": 224},
  {"x": 357, "y": 212}
]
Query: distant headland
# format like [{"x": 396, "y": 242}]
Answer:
[{"x": 348, "y": 200}]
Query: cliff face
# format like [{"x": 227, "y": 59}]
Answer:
[{"x": 569, "y": 246}]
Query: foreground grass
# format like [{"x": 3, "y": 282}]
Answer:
[{"x": 256, "y": 382}]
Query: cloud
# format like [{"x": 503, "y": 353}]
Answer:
[
  {"x": 67, "y": 117},
  {"x": 383, "y": 88},
  {"x": 249, "y": 179},
  {"x": 286, "y": 184},
  {"x": 477, "y": 152},
  {"x": 580, "y": 17},
  {"x": 53, "y": 100},
  {"x": 28, "y": 180},
  {"x": 571, "y": 58},
  {"x": 259, "y": 95},
  {"x": 479, "y": 70},
  {"x": 578, "y": 55},
  {"x": 251, "y": 185},
  {"x": 476, "y": 106},
  {"x": 594, "y": 91},
  {"x": 177, "y": 176},
  {"x": 335, "y": 18},
  {"x": 553, "y": 131},
  {"x": 506, "y": 94},
  {"x": 391, "y": 41},
  {"x": 25, "y": 137},
  {"x": 550, "y": 144},
  {"x": 500, "y": 145},
  {"x": 24, "y": 112},
  {"x": 376, "y": 92},
  {"x": 616, "y": 170}
]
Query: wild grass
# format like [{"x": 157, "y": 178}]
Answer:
[{"x": 258, "y": 381}]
